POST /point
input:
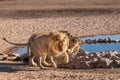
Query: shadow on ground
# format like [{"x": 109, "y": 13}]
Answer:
[
  {"x": 15, "y": 66},
  {"x": 19, "y": 14}
]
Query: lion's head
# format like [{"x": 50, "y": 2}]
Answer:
[
  {"x": 60, "y": 41},
  {"x": 74, "y": 42}
]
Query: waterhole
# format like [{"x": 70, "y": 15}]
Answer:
[{"x": 100, "y": 47}]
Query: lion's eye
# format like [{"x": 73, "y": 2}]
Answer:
[{"x": 57, "y": 39}]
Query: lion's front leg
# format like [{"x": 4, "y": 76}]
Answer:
[
  {"x": 53, "y": 63},
  {"x": 39, "y": 62},
  {"x": 66, "y": 57}
]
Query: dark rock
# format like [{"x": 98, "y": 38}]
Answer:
[
  {"x": 82, "y": 65},
  {"x": 99, "y": 41},
  {"x": 107, "y": 55},
  {"x": 83, "y": 58},
  {"x": 117, "y": 63},
  {"x": 118, "y": 55},
  {"x": 110, "y": 54},
  {"x": 89, "y": 41},
  {"x": 105, "y": 40},
  {"x": 114, "y": 41},
  {"x": 90, "y": 55},
  {"x": 109, "y": 40},
  {"x": 115, "y": 58},
  {"x": 104, "y": 63},
  {"x": 94, "y": 60},
  {"x": 3, "y": 56},
  {"x": 96, "y": 55},
  {"x": 118, "y": 40},
  {"x": 94, "y": 41},
  {"x": 107, "y": 59},
  {"x": 82, "y": 54},
  {"x": 73, "y": 63}
]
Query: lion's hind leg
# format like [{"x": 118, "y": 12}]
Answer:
[
  {"x": 31, "y": 60},
  {"x": 44, "y": 61}
]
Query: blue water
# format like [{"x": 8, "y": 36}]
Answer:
[
  {"x": 115, "y": 37},
  {"x": 101, "y": 47}
]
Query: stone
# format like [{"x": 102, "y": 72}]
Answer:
[
  {"x": 77, "y": 63},
  {"x": 114, "y": 41},
  {"x": 96, "y": 54},
  {"x": 105, "y": 40},
  {"x": 104, "y": 63},
  {"x": 90, "y": 55},
  {"x": 99, "y": 41},
  {"x": 115, "y": 58},
  {"x": 83, "y": 58},
  {"x": 59, "y": 61},
  {"x": 109, "y": 54},
  {"x": 94, "y": 41},
  {"x": 89, "y": 41},
  {"x": 109, "y": 40},
  {"x": 117, "y": 63},
  {"x": 118, "y": 55},
  {"x": 82, "y": 53},
  {"x": 82, "y": 65},
  {"x": 95, "y": 60},
  {"x": 107, "y": 59},
  {"x": 73, "y": 63},
  {"x": 3, "y": 56}
]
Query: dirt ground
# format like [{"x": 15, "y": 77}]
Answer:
[
  {"x": 21, "y": 18},
  {"x": 19, "y": 71}
]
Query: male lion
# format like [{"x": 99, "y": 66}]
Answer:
[
  {"x": 74, "y": 46},
  {"x": 51, "y": 44},
  {"x": 74, "y": 43}
]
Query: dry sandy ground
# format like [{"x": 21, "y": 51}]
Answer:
[
  {"x": 21, "y": 18},
  {"x": 20, "y": 71}
]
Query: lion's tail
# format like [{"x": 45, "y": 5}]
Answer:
[{"x": 23, "y": 44}]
